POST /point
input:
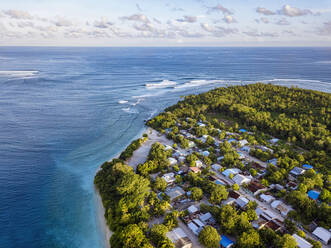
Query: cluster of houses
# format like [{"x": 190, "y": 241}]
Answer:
[{"x": 270, "y": 211}]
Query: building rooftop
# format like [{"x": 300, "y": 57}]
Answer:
[
  {"x": 301, "y": 242},
  {"x": 313, "y": 194},
  {"x": 175, "y": 192},
  {"x": 226, "y": 242},
  {"x": 323, "y": 234}
]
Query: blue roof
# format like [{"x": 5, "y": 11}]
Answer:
[
  {"x": 231, "y": 140},
  {"x": 313, "y": 194},
  {"x": 219, "y": 182},
  {"x": 242, "y": 130},
  {"x": 225, "y": 241},
  {"x": 307, "y": 166}
]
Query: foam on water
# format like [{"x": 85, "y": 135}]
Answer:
[{"x": 163, "y": 84}]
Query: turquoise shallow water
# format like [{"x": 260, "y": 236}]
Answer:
[{"x": 63, "y": 111}]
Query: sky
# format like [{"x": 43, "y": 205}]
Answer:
[{"x": 165, "y": 23}]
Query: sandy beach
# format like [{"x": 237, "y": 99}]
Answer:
[
  {"x": 101, "y": 218},
  {"x": 139, "y": 156}
]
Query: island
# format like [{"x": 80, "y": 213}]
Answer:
[{"x": 237, "y": 166}]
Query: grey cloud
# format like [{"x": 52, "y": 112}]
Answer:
[
  {"x": 18, "y": 14},
  {"x": 190, "y": 19},
  {"x": 144, "y": 27},
  {"x": 103, "y": 23},
  {"x": 283, "y": 22},
  {"x": 136, "y": 17},
  {"x": 62, "y": 22},
  {"x": 255, "y": 33},
  {"x": 218, "y": 31},
  {"x": 219, "y": 8},
  {"x": 157, "y": 20},
  {"x": 264, "y": 11},
  {"x": 264, "y": 20},
  {"x": 325, "y": 29},
  {"x": 26, "y": 24}
]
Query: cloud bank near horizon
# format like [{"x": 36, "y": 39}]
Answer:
[{"x": 139, "y": 24}]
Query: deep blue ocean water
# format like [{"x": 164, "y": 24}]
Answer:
[{"x": 64, "y": 111}]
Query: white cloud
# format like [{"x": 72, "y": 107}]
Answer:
[
  {"x": 290, "y": 11},
  {"x": 229, "y": 19},
  {"x": 255, "y": 33},
  {"x": 136, "y": 17},
  {"x": 264, "y": 11},
  {"x": 18, "y": 14}
]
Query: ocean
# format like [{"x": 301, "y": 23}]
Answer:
[{"x": 64, "y": 111}]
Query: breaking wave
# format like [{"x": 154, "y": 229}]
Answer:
[{"x": 163, "y": 84}]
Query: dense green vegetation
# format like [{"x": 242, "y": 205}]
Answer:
[
  {"x": 297, "y": 115},
  {"x": 300, "y": 118}
]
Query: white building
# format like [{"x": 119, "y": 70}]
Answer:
[
  {"x": 281, "y": 207},
  {"x": 241, "y": 179},
  {"x": 179, "y": 238},
  {"x": 296, "y": 171},
  {"x": 194, "y": 228},
  {"x": 192, "y": 209},
  {"x": 242, "y": 201},
  {"x": 172, "y": 161},
  {"x": 216, "y": 167},
  {"x": 169, "y": 177},
  {"x": 301, "y": 242},
  {"x": 267, "y": 198},
  {"x": 322, "y": 234},
  {"x": 243, "y": 142},
  {"x": 198, "y": 164}
]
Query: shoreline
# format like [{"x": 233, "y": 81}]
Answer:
[
  {"x": 101, "y": 218},
  {"x": 138, "y": 156}
]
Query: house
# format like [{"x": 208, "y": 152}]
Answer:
[
  {"x": 226, "y": 242},
  {"x": 301, "y": 242},
  {"x": 274, "y": 225},
  {"x": 174, "y": 192},
  {"x": 216, "y": 167},
  {"x": 273, "y": 161},
  {"x": 281, "y": 207},
  {"x": 207, "y": 218},
  {"x": 172, "y": 161},
  {"x": 265, "y": 149},
  {"x": 181, "y": 159},
  {"x": 191, "y": 144},
  {"x": 241, "y": 179},
  {"x": 242, "y": 202},
  {"x": 255, "y": 187},
  {"x": 307, "y": 166},
  {"x": 220, "y": 158},
  {"x": 313, "y": 194},
  {"x": 267, "y": 198},
  {"x": 167, "y": 147},
  {"x": 274, "y": 141},
  {"x": 234, "y": 194},
  {"x": 199, "y": 223},
  {"x": 179, "y": 238},
  {"x": 243, "y": 142},
  {"x": 220, "y": 182},
  {"x": 192, "y": 209},
  {"x": 242, "y": 130},
  {"x": 232, "y": 140},
  {"x": 195, "y": 169},
  {"x": 205, "y": 153},
  {"x": 292, "y": 185},
  {"x": 169, "y": 177},
  {"x": 296, "y": 171},
  {"x": 200, "y": 124},
  {"x": 241, "y": 155},
  {"x": 245, "y": 149},
  {"x": 229, "y": 201},
  {"x": 322, "y": 234},
  {"x": 233, "y": 171},
  {"x": 268, "y": 215},
  {"x": 194, "y": 228},
  {"x": 198, "y": 164}
]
